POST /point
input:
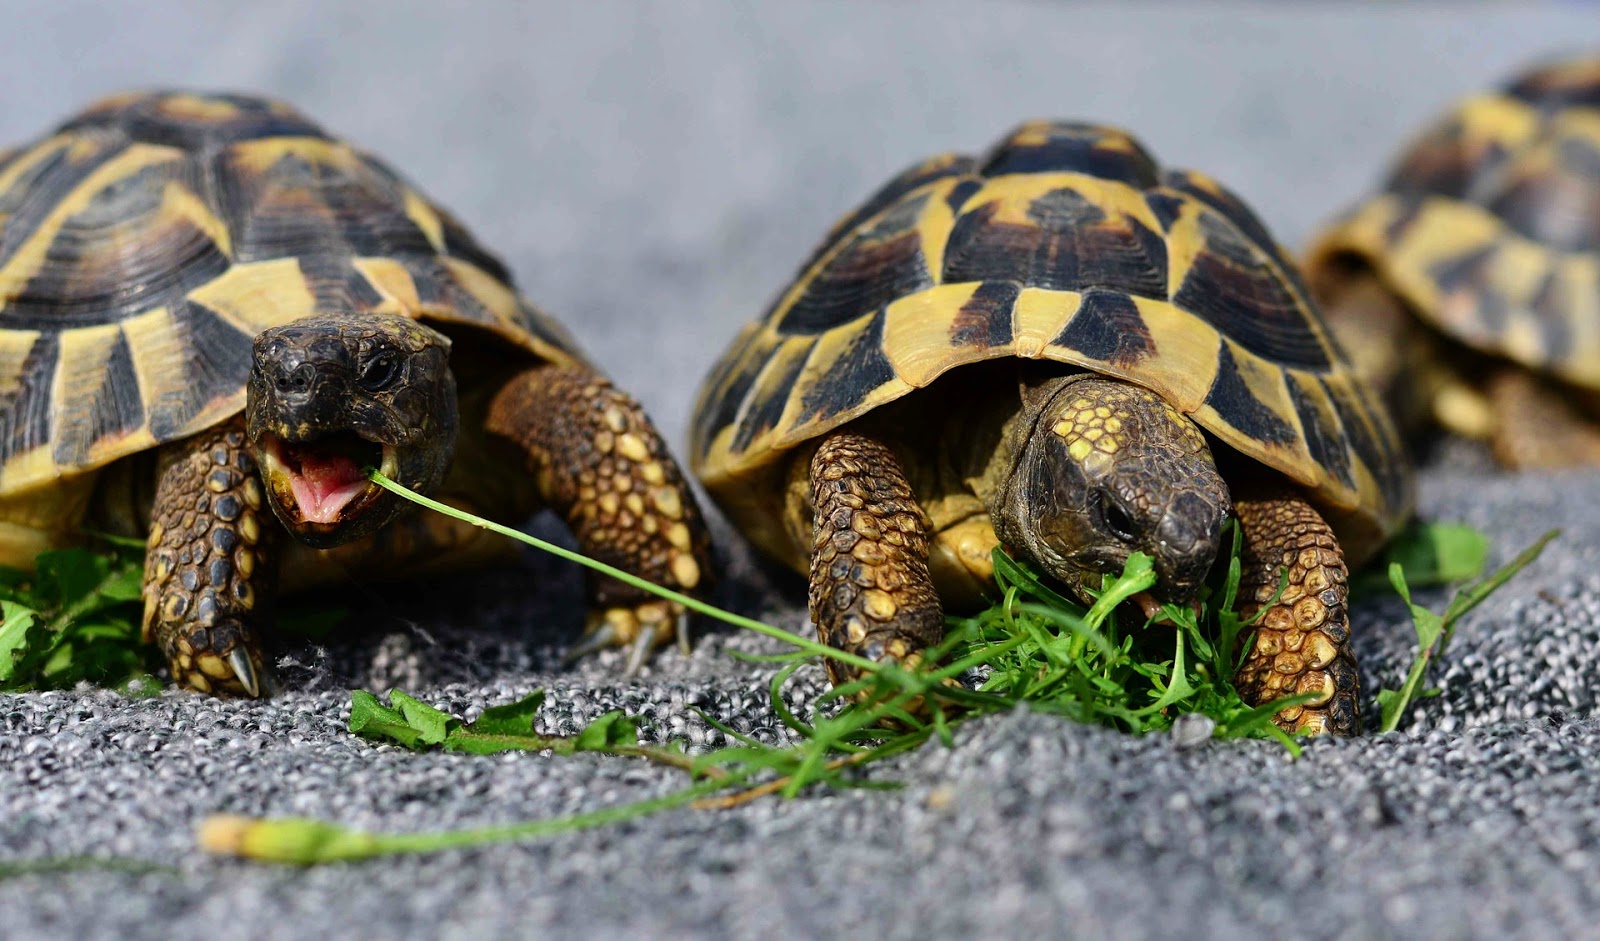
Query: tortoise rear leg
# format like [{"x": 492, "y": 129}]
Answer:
[
  {"x": 871, "y": 593},
  {"x": 599, "y": 462},
  {"x": 1302, "y": 640},
  {"x": 1536, "y": 426},
  {"x": 209, "y": 563}
]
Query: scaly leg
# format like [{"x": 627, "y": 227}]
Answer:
[
  {"x": 871, "y": 593},
  {"x": 1537, "y": 426},
  {"x": 599, "y": 462},
  {"x": 1303, "y": 640},
  {"x": 209, "y": 562}
]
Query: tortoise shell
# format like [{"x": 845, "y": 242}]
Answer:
[
  {"x": 146, "y": 242},
  {"x": 1066, "y": 243},
  {"x": 1489, "y": 226}
]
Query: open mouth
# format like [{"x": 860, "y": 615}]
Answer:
[{"x": 324, "y": 480}]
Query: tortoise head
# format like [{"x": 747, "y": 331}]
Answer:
[
  {"x": 1106, "y": 469},
  {"x": 333, "y": 395}
]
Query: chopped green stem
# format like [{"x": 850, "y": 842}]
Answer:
[
  {"x": 693, "y": 604},
  {"x": 301, "y": 841}
]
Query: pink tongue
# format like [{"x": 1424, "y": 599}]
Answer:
[{"x": 325, "y": 485}]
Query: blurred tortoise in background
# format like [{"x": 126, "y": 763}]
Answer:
[
  {"x": 1137, "y": 359},
  {"x": 209, "y": 306},
  {"x": 1468, "y": 291}
]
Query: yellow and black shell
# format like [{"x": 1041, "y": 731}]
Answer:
[
  {"x": 1489, "y": 226},
  {"x": 146, "y": 242},
  {"x": 1065, "y": 242}
]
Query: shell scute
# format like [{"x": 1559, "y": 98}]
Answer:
[
  {"x": 1064, "y": 243},
  {"x": 146, "y": 241}
]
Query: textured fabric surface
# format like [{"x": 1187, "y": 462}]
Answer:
[{"x": 652, "y": 173}]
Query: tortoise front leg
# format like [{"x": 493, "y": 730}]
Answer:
[
  {"x": 1537, "y": 426},
  {"x": 208, "y": 562},
  {"x": 871, "y": 593},
  {"x": 1302, "y": 640},
  {"x": 599, "y": 462}
]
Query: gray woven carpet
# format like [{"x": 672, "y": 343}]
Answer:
[{"x": 652, "y": 172}]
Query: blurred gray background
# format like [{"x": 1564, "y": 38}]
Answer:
[{"x": 652, "y": 173}]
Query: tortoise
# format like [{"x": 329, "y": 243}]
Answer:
[
  {"x": 211, "y": 306},
  {"x": 1480, "y": 261},
  {"x": 1061, "y": 348}
]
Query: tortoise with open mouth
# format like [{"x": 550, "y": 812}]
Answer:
[
  {"x": 1060, "y": 347},
  {"x": 209, "y": 308}
]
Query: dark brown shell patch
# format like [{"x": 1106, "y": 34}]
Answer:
[
  {"x": 872, "y": 268},
  {"x": 985, "y": 320},
  {"x": 1072, "y": 147},
  {"x": 1108, "y": 327},
  {"x": 1231, "y": 397},
  {"x": 1233, "y": 289}
]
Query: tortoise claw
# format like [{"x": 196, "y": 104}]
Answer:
[
  {"x": 599, "y": 639},
  {"x": 641, "y": 648},
  {"x": 244, "y": 671}
]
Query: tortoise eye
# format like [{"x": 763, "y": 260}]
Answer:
[
  {"x": 1113, "y": 516},
  {"x": 379, "y": 372}
]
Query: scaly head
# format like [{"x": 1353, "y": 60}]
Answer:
[
  {"x": 334, "y": 394},
  {"x": 1107, "y": 469}
]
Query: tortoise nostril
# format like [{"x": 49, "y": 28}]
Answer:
[{"x": 297, "y": 381}]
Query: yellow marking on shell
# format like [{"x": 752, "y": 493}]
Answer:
[
  {"x": 604, "y": 441},
  {"x": 614, "y": 419},
  {"x": 393, "y": 282},
  {"x": 917, "y": 331},
  {"x": 686, "y": 570},
  {"x": 419, "y": 211},
  {"x": 258, "y": 156},
  {"x": 634, "y": 503},
  {"x": 495, "y": 295},
  {"x": 44, "y": 150},
  {"x": 31, "y": 255},
  {"x": 180, "y": 201},
  {"x": 1491, "y": 118},
  {"x": 1267, "y": 384},
  {"x": 1113, "y": 425},
  {"x": 1038, "y": 316},
  {"x": 1013, "y": 195},
  {"x": 609, "y": 503},
  {"x": 186, "y": 107},
  {"x": 259, "y": 295},
  {"x": 80, "y": 369},
  {"x": 652, "y": 473},
  {"x": 678, "y": 535},
  {"x": 632, "y": 447},
  {"x": 829, "y": 350}
]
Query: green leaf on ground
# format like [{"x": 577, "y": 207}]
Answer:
[{"x": 1435, "y": 630}]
